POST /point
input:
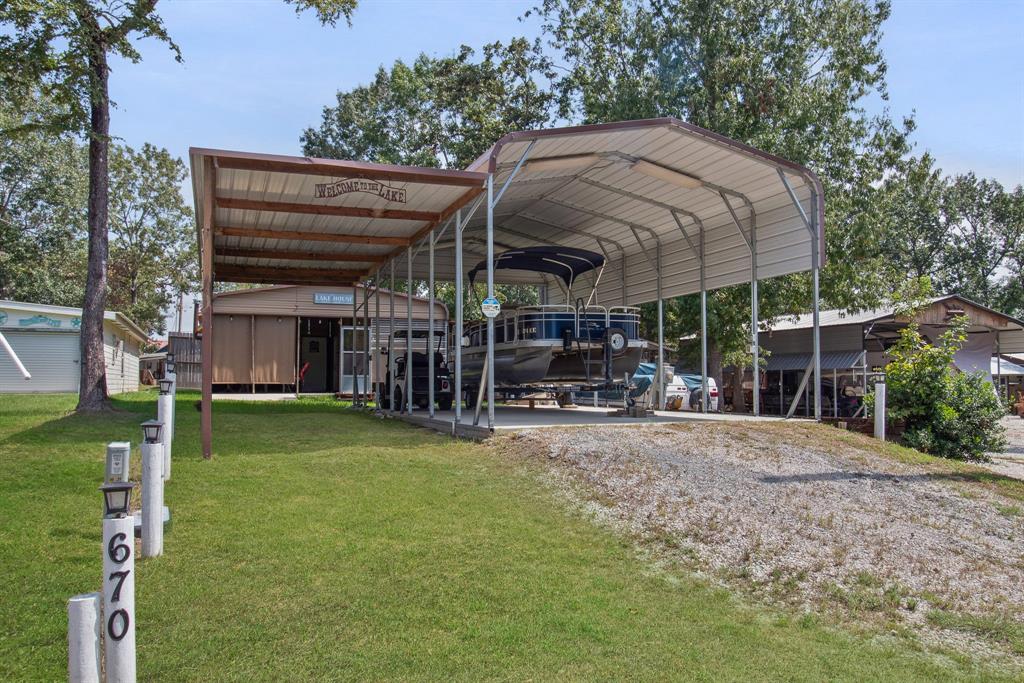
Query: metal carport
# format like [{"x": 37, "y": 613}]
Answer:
[{"x": 676, "y": 210}]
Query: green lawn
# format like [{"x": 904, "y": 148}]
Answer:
[{"x": 321, "y": 544}]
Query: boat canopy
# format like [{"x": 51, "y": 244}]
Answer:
[{"x": 565, "y": 262}]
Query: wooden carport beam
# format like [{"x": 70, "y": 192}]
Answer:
[
  {"x": 324, "y": 209},
  {"x": 288, "y": 255},
  {"x": 227, "y": 231},
  {"x": 321, "y": 275},
  {"x": 333, "y": 168}
]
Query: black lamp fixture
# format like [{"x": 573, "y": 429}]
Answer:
[
  {"x": 165, "y": 386},
  {"x": 151, "y": 430},
  {"x": 117, "y": 497},
  {"x": 169, "y": 365}
]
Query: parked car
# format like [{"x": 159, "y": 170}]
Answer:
[{"x": 685, "y": 390}]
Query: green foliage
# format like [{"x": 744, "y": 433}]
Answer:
[
  {"x": 965, "y": 233},
  {"x": 153, "y": 255},
  {"x": 945, "y": 412},
  {"x": 438, "y": 111},
  {"x": 43, "y": 190},
  {"x": 790, "y": 78}
]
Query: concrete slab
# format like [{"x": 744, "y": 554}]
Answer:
[{"x": 514, "y": 418}]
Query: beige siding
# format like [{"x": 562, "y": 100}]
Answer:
[
  {"x": 299, "y": 301},
  {"x": 121, "y": 354},
  {"x": 50, "y": 357}
]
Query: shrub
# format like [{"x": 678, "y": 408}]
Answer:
[{"x": 944, "y": 411}]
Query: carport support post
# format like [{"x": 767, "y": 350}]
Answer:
[
  {"x": 816, "y": 267},
  {"x": 366, "y": 346},
  {"x": 490, "y": 294},
  {"x": 705, "y": 398},
  {"x": 408, "y": 329},
  {"x": 457, "y": 389},
  {"x": 430, "y": 326},
  {"x": 661, "y": 341},
  {"x": 391, "y": 342},
  {"x": 755, "y": 383},
  {"x": 376, "y": 339}
]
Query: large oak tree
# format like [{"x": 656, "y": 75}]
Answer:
[{"x": 62, "y": 48}]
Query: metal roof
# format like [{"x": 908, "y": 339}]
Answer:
[
  {"x": 1001, "y": 366},
  {"x": 1011, "y": 335},
  {"x": 298, "y": 220},
  {"x": 830, "y": 360},
  {"x": 633, "y": 190}
]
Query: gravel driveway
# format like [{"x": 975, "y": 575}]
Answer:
[
  {"x": 1010, "y": 462},
  {"x": 801, "y": 513}
]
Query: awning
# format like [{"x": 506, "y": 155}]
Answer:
[
  {"x": 831, "y": 360},
  {"x": 1001, "y": 366},
  {"x": 563, "y": 262}
]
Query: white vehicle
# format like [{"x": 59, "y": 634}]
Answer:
[{"x": 682, "y": 392}]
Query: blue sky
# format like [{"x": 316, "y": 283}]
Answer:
[{"x": 255, "y": 75}]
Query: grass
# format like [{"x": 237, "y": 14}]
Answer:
[{"x": 325, "y": 544}]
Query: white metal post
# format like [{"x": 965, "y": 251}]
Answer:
[
  {"x": 816, "y": 267},
  {"x": 706, "y": 394},
  {"x": 366, "y": 346},
  {"x": 408, "y": 330},
  {"x": 84, "y": 638},
  {"x": 430, "y": 327},
  {"x": 835, "y": 393},
  {"x": 391, "y": 351},
  {"x": 152, "y": 499},
  {"x": 119, "y": 599},
  {"x": 165, "y": 413},
  {"x": 490, "y": 293},
  {"x": 880, "y": 410},
  {"x": 660, "y": 405},
  {"x": 376, "y": 340},
  {"x": 754, "y": 321},
  {"x": 457, "y": 389}
]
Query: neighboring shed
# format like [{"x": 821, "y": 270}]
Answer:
[
  {"x": 46, "y": 339},
  {"x": 859, "y": 342}
]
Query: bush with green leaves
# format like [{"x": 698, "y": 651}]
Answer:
[{"x": 944, "y": 411}]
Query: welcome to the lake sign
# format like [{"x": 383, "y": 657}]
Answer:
[{"x": 345, "y": 186}]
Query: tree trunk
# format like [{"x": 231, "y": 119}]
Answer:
[
  {"x": 715, "y": 370},
  {"x": 92, "y": 390}
]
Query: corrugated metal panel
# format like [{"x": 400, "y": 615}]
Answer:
[
  {"x": 52, "y": 358},
  {"x": 833, "y": 360},
  {"x": 538, "y": 202}
]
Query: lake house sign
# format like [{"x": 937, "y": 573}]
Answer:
[{"x": 345, "y": 186}]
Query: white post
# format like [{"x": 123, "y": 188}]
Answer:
[
  {"x": 457, "y": 389},
  {"x": 408, "y": 330},
  {"x": 169, "y": 424},
  {"x": 430, "y": 328},
  {"x": 84, "y": 638},
  {"x": 152, "y": 499},
  {"x": 165, "y": 414},
  {"x": 119, "y": 598},
  {"x": 489, "y": 361},
  {"x": 880, "y": 410}
]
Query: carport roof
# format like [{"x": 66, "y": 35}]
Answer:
[
  {"x": 633, "y": 190},
  {"x": 304, "y": 221}
]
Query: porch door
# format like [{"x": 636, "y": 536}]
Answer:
[{"x": 353, "y": 346}]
